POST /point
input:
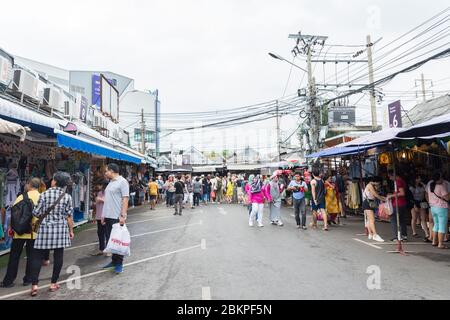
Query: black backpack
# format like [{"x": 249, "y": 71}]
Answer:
[{"x": 22, "y": 215}]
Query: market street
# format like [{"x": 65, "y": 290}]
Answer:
[{"x": 212, "y": 253}]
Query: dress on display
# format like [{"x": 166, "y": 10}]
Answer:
[
  {"x": 12, "y": 187},
  {"x": 354, "y": 199}
]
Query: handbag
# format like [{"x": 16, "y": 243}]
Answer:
[
  {"x": 372, "y": 204},
  {"x": 37, "y": 224},
  {"x": 424, "y": 205}
]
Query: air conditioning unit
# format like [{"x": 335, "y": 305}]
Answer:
[
  {"x": 5, "y": 71},
  {"x": 25, "y": 83},
  {"x": 52, "y": 99},
  {"x": 98, "y": 121},
  {"x": 68, "y": 109}
]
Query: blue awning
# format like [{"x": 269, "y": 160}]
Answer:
[
  {"x": 84, "y": 145},
  {"x": 341, "y": 151}
]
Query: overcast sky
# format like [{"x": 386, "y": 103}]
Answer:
[{"x": 203, "y": 54}]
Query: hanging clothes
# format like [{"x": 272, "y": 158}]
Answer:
[
  {"x": 354, "y": 198},
  {"x": 370, "y": 168},
  {"x": 12, "y": 187},
  {"x": 76, "y": 196},
  {"x": 2, "y": 188},
  {"x": 355, "y": 170}
]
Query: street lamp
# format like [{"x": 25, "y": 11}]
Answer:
[{"x": 278, "y": 57}]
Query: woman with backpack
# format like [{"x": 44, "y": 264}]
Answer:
[
  {"x": 31, "y": 193},
  {"x": 257, "y": 196}
]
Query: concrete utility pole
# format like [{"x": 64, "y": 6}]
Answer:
[
  {"x": 278, "y": 133},
  {"x": 373, "y": 103},
  {"x": 424, "y": 90},
  {"x": 142, "y": 132},
  {"x": 171, "y": 154},
  {"x": 308, "y": 42},
  {"x": 157, "y": 123},
  {"x": 424, "y": 93}
]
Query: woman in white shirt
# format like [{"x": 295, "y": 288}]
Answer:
[{"x": 369, "y": 206}]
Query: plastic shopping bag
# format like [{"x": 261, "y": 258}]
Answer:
[{"x": 119, "y": 241}]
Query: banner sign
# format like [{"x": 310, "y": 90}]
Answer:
[{"x": 395, "y": 115}]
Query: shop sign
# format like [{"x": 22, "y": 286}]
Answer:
[
  {"x": 83, "y": 109},
  {"x": 96, "y": 91},
  {"x": 395, "y": 115}
]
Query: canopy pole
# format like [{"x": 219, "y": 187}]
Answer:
[{"x": 399, "y": 233}]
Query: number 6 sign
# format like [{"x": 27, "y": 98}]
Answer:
[{"x": 395, "y": 115}]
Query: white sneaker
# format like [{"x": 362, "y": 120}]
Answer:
[
  {"x": 280, "y": 223},
  {"x": 260, "y": 225},
  {"x": 378, "y": 238},
  {"x": 250, "y": 224},
  {"x": 370, "y": 237}
]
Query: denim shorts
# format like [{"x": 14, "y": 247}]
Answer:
[{"x": 319, "y": 206}]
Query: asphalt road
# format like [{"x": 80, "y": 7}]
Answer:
[{"x": 212, "y": 253}]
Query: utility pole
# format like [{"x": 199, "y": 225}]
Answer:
[
  {"x": 278, "y": 133},
  {"x": 373, "y": 103},
  {"x": 157, "y": 123},
  {"x": 308, "y": 42},
  {"x": 424, "y": 90},
  {"x": 171, "y": 154},
  {"x": 142, "y": 132}
]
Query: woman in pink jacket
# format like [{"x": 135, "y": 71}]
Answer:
[{"x": 257, "y": 195}]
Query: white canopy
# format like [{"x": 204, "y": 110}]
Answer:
[{"x": 13, "y": 128}]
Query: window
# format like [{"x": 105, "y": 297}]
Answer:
[{"x": 77, "y": 89}]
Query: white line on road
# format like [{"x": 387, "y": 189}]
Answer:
[
  {"x": 138, "y": 235},
  {"x": 168, "y": 229},
  {"x": 140, "y": 221},
  {"x": 222, "y": 211},
  {"x": 203, "y": 244},
  {"x": 369, "y": 244},
  {"x": 100, "y": 272},
  {"x": 206, "y": 293}
]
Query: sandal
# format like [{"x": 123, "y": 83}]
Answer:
[
  {"x": 34, "y": 291},
  {"x": 54, "y": 287},
  {"x": 325, "y": 229}
]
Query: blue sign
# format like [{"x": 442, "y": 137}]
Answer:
[{"x": 96, "y": 91}]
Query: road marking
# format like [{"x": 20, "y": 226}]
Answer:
[
  {"x": 405, "y": 243},
  {"x": 369, "y": 244},
  {"x": 206, "y": 293},
  {"x": 140, "y": 221},
  {"x": 203, "y": 245},
  {"x": 138, "y": 235},
  {"x": 168, "y": 229},
  {"x": 100, "y": 271},
  {"x": 222, "y": 211}
]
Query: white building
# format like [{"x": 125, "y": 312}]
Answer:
[{"x": 131, "y": 101}]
